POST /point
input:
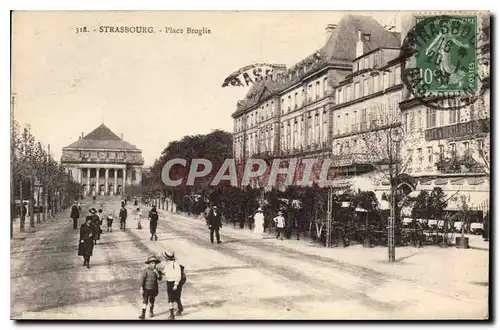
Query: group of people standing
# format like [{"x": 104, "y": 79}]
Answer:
[
  {"x": 172, "y": 273},
  {"x": 283, "y": 225}
]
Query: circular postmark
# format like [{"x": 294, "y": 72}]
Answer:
[{"x": 440, "y": 61}]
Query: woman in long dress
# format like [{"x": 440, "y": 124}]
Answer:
[
  {"x": 86, "y": 245},
  {"x": 258, "y": 222}
]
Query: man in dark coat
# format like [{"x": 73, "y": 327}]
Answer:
[
  {"x": 214, "y": 223},
  {"x": 24, "y": 211},
  {"x": 123, "y": 216},
  {"x": 95, "y": 220},
  {"x": 75, "y": 214},
  {"x": 86, "y": 245},
  {"x": 153, "y": 222}
]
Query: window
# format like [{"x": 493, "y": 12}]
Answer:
[
  {"x": 309, "y": 92},
  {"x": 409, "y": 154},
  {"x": 295, "y": 100},
  {"x": 347, "y": 123},
  {"x": 441, "y": 118},
  {"x": 325, "y": 86},
  {"x": 453, "y": 150},
  {"x": 419, "y": 153},
  {"x": 348, "y": 96},
  {"x": 405, "y": 122},
  {"x": 365, "y": 88},
  {"x": 441, "y": 151},
  {"x": 133, "y": 175},
  {"x": 337, "y": 124},
  {"x": 341, "y": 96},
  {"x": 356, "y": 90},
  {"x": 480, "y": 146},
  {"x": 454, "y": 116},
  {"x": 317, "y": 90},
  {"x": 466, "y": 148},
  {"x": 376, "y": 84},
  {"x": 431, "y": 118},
  {"x": 385, "y": 78},
  {"x": 429, "y": 155},
  {"x": 398, "y": 75},
  {"x": 419, "y": 120},
  {"x": 282, "y": 106},
  {"x": 289, "y": 102}
]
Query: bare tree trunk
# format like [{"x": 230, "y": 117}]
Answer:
[
  {"x": 46, "y": 205},
  {"x": 23, "y": 216},
  {"x": 38, "y": 206},
  {"x": 32, "y": 204}
]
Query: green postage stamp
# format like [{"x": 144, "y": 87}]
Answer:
[{"x": 446, "y": 56}]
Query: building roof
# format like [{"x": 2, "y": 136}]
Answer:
[
  {"x": 102, "y": 138},
  {"x": 339, "y": 49},
  {"x": 342, "y": 42}
]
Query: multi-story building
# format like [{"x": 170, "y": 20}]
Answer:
[
  {"x": 293, "y": 115},
  {"x": 450, "y": 147},
  {"x": 103, "y": 162},
  {"x": 343, "y": 102}
]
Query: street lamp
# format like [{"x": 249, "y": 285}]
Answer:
[{"x": 396, "y": 135}]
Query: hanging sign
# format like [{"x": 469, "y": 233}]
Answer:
[{"x": 250, "y": 74}]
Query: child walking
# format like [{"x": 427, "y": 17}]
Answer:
[{"x": 138, "y": 217}]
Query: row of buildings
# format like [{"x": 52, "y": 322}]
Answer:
[{"x": 343, "y": 101}]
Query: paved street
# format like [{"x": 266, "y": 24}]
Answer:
[{"x": 245, "y": 277}]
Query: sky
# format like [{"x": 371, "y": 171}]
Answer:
[{"x": 152, "y": 88}]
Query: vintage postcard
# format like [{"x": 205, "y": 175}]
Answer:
[{"x": 170, "y": 165}]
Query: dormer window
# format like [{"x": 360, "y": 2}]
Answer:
[{"x": 366, "y": 37}]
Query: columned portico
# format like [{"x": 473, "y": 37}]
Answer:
[{"x": 106, "y": 160}]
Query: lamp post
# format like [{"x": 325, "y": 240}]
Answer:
[{"x": 396, "y": 135}]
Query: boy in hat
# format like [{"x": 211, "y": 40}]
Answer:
[
  {"x": 280, "y": 225},
  {"x": 149, "y": 286},
  {"x": 173, "y": 276}
]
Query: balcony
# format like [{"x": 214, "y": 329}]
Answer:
[{"x": 458, "y": 130}]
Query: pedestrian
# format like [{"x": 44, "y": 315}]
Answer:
[
  {"x": 138, "y": 217},
  {"x": 24, "y": 212},
  {"x": 149, "y": 286},
  {"x": 101, "y": 219},
  {"x": 86, "y": 245},
  {"x": 75, "y": 214},
  {"x": 153, "y": 222},
  {"x": 175, "y": 276},
  {"x": 258, "y": 220},
  {"x": 109, "y": 220},
  {"x": 95, "y": 224},
  {"x": 280, "y": 225},
  {"x": 123, "y": 216},
  {"x": 214, "y": 223}
]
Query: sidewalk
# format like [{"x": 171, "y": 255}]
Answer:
[{"x": 452, "y": 271}]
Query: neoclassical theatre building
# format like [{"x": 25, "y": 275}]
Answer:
[{"x": 103, "y": 162}]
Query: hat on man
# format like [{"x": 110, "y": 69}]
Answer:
[
  {"x": 168, "y": 255},
  {"x": 259, "y": 209},
  {"x": 151, "y": 259},
  {"x": 93, "y": 210},
  {"x": 280, "y": 213}
]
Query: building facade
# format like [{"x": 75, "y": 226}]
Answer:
[
  {"x": 344, "y": 101},
  {"x": 103, "y": 162}
]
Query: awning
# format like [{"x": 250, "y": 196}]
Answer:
[
  {"x": 441, "y": 181},
  {"x": 457, "y": 181},
  {"x": 475, "y": 181}
]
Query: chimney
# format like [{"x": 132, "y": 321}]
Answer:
[
  {"x": 359, "y": 45},
  {"x": 329, "y": 30}
]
